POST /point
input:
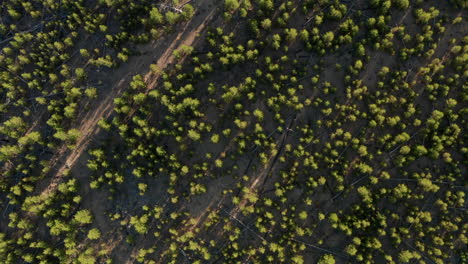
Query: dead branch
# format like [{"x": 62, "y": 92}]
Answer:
[{"x": 173, "y": 8}]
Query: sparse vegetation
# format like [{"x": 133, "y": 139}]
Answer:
[{"x": 274, "y": 132}]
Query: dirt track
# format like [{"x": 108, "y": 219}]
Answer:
[{"x": 159, "y": 52}]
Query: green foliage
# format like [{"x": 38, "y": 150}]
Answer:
[
  {"x": 291, "y": 34},
  {"x": 31, "y": 138},
  {"x": 188, "y": 11},
  {"x": 139, "y": 223},
  {"x": 328, "y": 38},
  {"x": 8, "y": 152},
  {"x": 263, "y": 131},
  {"x": 401, "y": 4},
  {"x": 91, "y": 92},
  {"x": 423, "y": 16},
  {"x": 156, "y": 17},
  {"x": 266, "y": 24},
  {"x": 13, "y": 127},
  {"x": 83, "y": 217},
  {"x": 231, "y": 5},
  {"x": 193, "y": 135},
  {"x": 87, "y": 257},
  {"x": 327, "y": 259},
  {"x": 70, "y": 137},
  {"x": 406, "y": 256},
  {"x": 94, "y": 234},
  {"x": 172, "y": 17},
  {"x": 183, "y": 51},
  {"x": 215, "y": 138},
  {"x": 80, "y": 73}
]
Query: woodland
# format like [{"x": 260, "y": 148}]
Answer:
[{"x": 233, "y": 131}]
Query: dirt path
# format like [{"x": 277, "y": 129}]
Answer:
[
  {"x": 160, "y": 53},
  {"x": 186, "y": 36},
  {"x": 162, "y": 50}
]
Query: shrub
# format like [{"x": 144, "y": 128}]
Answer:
[
  {"x": 231, "y": 5},
  {"x": 83, "y": 217},
  {"x": 326, "y": 259},
  {"x": 94, "y": 234}
]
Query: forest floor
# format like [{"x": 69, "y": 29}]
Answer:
[
  {"x": 115, "y": 81},
  {"x": 160, "y": 52}
]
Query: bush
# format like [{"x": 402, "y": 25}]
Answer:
[
  {"x": 326, "y": 259},
  {"x": 231, "y": 5},
  {"x": 188, "y": 11},
  {"x": 94, "y": 234},
  {"x": 401, "y": 4},
  {"x": 83, "y": 217}
]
